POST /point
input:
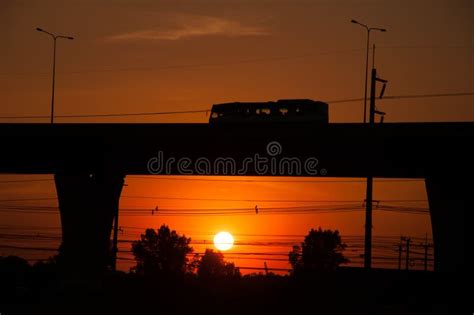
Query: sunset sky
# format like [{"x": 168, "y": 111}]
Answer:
[{"x": 157, "y": 56}]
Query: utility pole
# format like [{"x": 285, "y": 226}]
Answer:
[
  {"x": 266, "y": 268},
  {"x": 115, "y": 241},
  {"x": 400, "y": 248},
  {"x": 407, "y": 257},
  {"x": 426, "y": 245},
  {"x": 368, "y": 225},
  {"x": 370, "y": 183},
  {"x": 370, "y": 179},
  {"x": 54, "y": 78}
]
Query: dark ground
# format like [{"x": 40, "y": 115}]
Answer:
[{"x": 346, "y": 291}]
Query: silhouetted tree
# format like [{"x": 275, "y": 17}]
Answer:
[
  {"x": 162, "y": 251},
  {"x": 213, "y": 265},
  {"x": 320, "y": 251},
  {"x": 13, "y": 271},
  {"x": 13, "y": 264}
]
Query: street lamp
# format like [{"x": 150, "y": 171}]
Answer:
[
  {"x": 367, "y": 61},
  {"x": 54, "y": 64}
]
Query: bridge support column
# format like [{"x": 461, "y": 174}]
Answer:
[
  {"x": 448, "y": 205},
  {"x": 87, "y": 204}
]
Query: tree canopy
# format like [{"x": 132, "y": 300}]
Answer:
[
  {"x": 162, "y": 251},
  {"x": 320, "y": 251},
  {"x": 213, "y": 265}
]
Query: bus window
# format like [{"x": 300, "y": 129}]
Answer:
[
  {"x": 299, "y": 110},
  {"x": 266, "y": 111}
]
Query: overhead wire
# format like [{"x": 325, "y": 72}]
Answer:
[{"x": 200, "y": 111}]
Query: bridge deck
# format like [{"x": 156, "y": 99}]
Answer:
[{"x": 406, "y": 150}]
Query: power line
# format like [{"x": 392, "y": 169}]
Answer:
[
  {"x": 109, "y": 115},
  {"x": 24, "y": 181},
  {"x": 225, "y": 180},
  {"x": 268, "y": 200},
  {"x": 271, "y": 181},
  {"x": 320, "y": 206},
  {"x": 216, "y": 199},
  {"x": 399, "y": 97},
  {"x": 243, "y": 61},
  {"x": 383, "y": 256},
  {"x": 426, "y": 47},
  {"x": 389, "y": 239},
  {"x": 223, "y": 211},
  {"x": 28, "y": 199},
  {"x": 414, "y": 96},
  {"x": 353, "y": 205},
  {"x": 30, "y": 248},
  {"x": 234, "y": 256},
  {"x": 185, "y": 66}
]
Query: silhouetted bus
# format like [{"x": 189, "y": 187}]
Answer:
[{"x": 304, "y": 111}]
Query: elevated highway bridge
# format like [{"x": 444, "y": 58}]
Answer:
[{"x": 90, "y": 162}]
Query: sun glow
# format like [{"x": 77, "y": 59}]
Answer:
[{"x": 223, "y": 241}]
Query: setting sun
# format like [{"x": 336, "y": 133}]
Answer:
[{"x": 223, "y": 241}]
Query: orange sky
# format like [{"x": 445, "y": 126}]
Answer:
[
  {"x": 252, "y": 232},
  {"x": 151, "y": 56},
  {"x": 139, "y": 56}
]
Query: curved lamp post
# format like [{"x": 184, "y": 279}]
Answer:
[
  {"x": 54, "y": 37},
  {"x": 369, "y": 29}
]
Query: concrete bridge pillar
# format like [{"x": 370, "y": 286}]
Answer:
[
  {"x": 88, "y": 203},
  {"x": 447, "y": 199}
]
